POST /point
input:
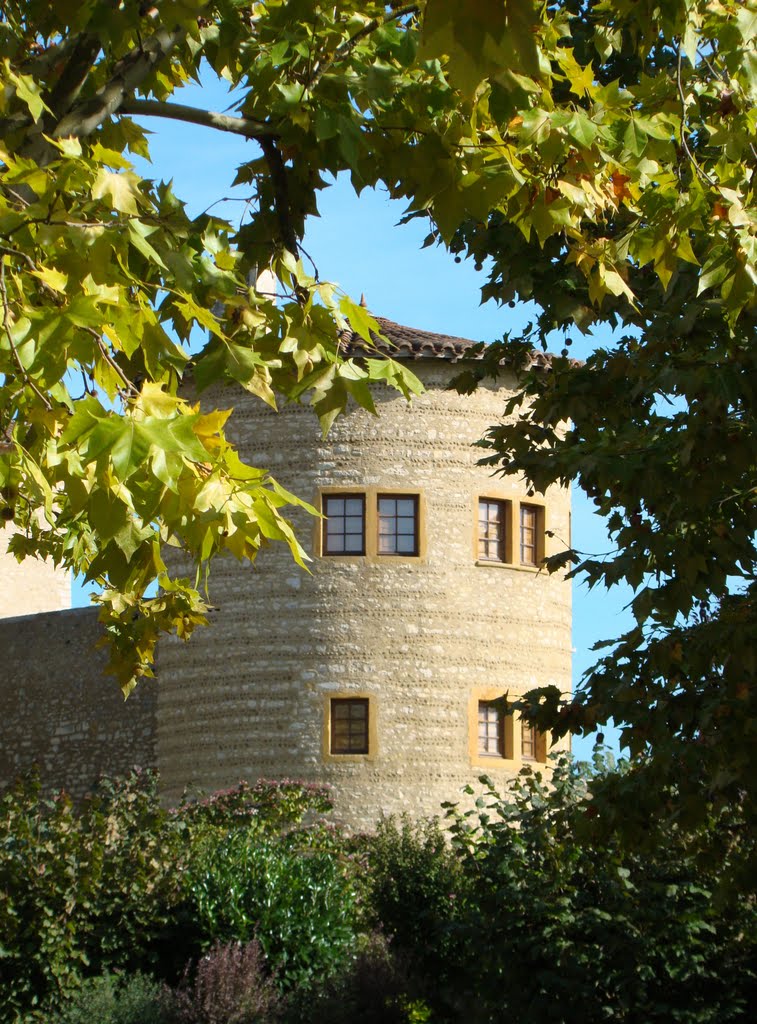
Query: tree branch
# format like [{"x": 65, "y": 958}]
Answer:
[
  {"x": 66, "y": 91},
  {"x": 128, "y": 74},
  {"x": 281, "y": 192},
  {"x": 245, "y": 126},
  {"x": 130, "y": 387}
]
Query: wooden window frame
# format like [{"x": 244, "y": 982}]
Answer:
[
  {"x": 537, "y": 742},
  {"x": 505, "y": 758},
  {"x": 344, "y": 496},
  {"x": 350, "y": 704},
  {"x": 328, "y": 753},
  {"x": 396, "y": 497},
  {"x": 370, "y": 496},
  {"x": 503, "y": 529},
  {"x": 491, "y": 729},
  {"x": 536, "y": 513}
]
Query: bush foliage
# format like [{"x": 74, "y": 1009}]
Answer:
[
  {"x": 556, "y": 923},
  {"x": 80, "y": 887},
  {"x": 516, "y": 912},
  {"x": 110, "y": 999},
  {"x": 229, "y": 985}
]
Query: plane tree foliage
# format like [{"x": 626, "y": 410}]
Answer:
[{"x": 597, "y": 157}]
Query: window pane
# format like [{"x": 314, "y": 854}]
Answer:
[
  {"x": 349, "y": 725},
  {"x": 490, "y": 730},
  {"x": 528, "y": 534},
  {"x": 398, "y": 525},
  {"x": 491, "y": 530},
  {"x": 528, "y": 742},
  {"x": 344, "y": 533}
]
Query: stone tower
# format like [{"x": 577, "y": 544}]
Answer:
[{"x": 376, "y": 671}]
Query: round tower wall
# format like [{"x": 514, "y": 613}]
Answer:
[{"x": 424, "y": 639}]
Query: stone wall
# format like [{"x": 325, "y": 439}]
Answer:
[
  {"x": 424, "y": 639},
  {"x": 58, "y": 709},
  {"x": 30, "y": 586}
]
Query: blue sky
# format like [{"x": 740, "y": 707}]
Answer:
[{"x": 356, "y": 243}]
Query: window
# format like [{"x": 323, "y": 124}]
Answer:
[
  {"x": 529, "y": 534},
  {"x": 349, "y": 725},
  {"x": 528, "y": 742},
  {"x": 344, "y": 526},
  {"x": 533, "y": 744},
  {"x": 491, "y": 729},
  {"x": 492, "y": 518},
  {"x": 370, "y": 523},
  {"x": 397, "y": 524}
]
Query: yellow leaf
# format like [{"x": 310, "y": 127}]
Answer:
[
  {"x": 54, "y": 279},
  {"x": 119, "y": 187}
]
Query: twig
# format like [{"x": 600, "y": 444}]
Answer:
[
  {"x": 21, "y": 255},
  {"x": 345, "y": 48},
  {"x": 716, "y": 74},
  {"x": 7, "y": 327},
  {"x": 684, "y": 141},
  {"x": 129, "y": 385}
]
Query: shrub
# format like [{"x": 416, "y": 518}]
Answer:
[
  {"x": 416, "y": 889},
  {"x": 109, "y": 999},
  {"x": 372, "y": 987},
  {"x": 229, "y": 985},
  {"x": 558, "y": 928},
  {"x": 80, "y": 890},
  {"x": 269, "y": 805},
  {"x": 298, "y": 900}
]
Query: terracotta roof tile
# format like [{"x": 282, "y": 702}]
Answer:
[{"x": 410, "y": 342}]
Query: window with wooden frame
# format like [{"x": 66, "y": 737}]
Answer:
[
  {"x": 530, "y": 516},
  {"x": 491, "y": 729},
  {"x": 492, "y": 527},
  {"x": 349, "y": 725},
  {"x": 344, "y": 525},
  {"x": 397, "y": 524},
  {"x": 533, "y": 744}
]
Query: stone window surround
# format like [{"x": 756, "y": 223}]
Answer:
[
  {"x": 371, "y": 495},
  {"x": 512, "y": 760},
  {"x": 512, "y": 506},
  {"x": 372, "y": 726}
]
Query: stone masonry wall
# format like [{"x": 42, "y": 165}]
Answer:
[
  {"x": 423, "y": 638},
  {"x": 30, "y": 586},
  {"x": 58, "y": 709}
]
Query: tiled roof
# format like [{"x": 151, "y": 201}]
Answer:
[{"x": 410, "y": 342}]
